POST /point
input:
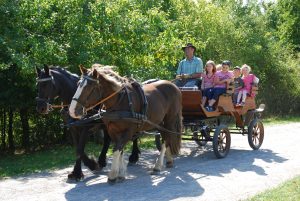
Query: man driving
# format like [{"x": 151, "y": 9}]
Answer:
[{"x": 190, "y": 69}]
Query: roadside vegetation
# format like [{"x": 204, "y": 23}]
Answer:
[
  {"x": 288, "y": 191},
  {"x": 58, "y": 156}
]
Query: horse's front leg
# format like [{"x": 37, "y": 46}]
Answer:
[
  {"x": 76, "y": 174},
  {"x": 106, "y": 143},
  {"x": 134, "y": 157},
  {"x": 169, "y": 157},
  {"x": 118, "y": 167},
  {"x": 160, "y": 160},
  {"x": 89, "y": 162}
]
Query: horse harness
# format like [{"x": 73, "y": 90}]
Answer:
[{"x": 130, "y": 116}]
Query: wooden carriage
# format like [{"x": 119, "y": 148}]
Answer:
[{"x": 216, "y": 126}]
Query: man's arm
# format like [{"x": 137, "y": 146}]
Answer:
[
  {"x": 199, "y": 70},
  {"x": 196, "y": 75},
  {"x": 179, "y": 69}
]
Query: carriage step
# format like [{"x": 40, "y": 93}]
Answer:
[{"x": 210, "y": 114}]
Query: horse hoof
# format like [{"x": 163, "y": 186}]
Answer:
[
  {"x": 120, "y": 179},
  {"x": 111, "y": 181},
  {"x": 133, "y": 159},
  {"x": 102, "y": 164},
  {"x": 97, "y": 170},
  {"x": 74, "y": 178},
  {"x": 169, "y": 164},
  {"x": 131, "y": 163},
  {"x": 155, "y": 171}
]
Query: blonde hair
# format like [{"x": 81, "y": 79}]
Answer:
[
  {"x": 245, "y": 66},
  {"x": 219, "y": 67}
]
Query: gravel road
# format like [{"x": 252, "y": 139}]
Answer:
[{"x": 197, "y": 174}]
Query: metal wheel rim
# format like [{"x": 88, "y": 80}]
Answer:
[
  {"x": 256, "y": 134},
  {"x": 222, "y": 142}
]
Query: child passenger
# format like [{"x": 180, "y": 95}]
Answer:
[
  {"x": 218, "y": 67},
  {"x": 238, "y": 83},
  {"x": 222, "y": 78},
  {"x": 248, "y": 80},
  {"x": 208, "y": 81}
]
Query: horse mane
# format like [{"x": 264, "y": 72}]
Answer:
[
  {"x": 109, "y": 74},
  {"x": 65, "y": 72}
]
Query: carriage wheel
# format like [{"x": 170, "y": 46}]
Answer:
[
  {"x": 157, "y": 142},
  {"x": 221, "y": 141},
  {"x": 201, "y": 139},
  {"x": 255, "y": 134}
]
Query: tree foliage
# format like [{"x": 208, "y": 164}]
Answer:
[{"x": 144, "y": 39}]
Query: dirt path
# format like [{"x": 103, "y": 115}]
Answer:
[{"x": 198, "y": 175}]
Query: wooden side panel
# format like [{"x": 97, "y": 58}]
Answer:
[
  {"x": 191, "y": 102},
  {"x": 249, "y": 105},
  {"x": 225, "y": 103},
  {"x": 191, "y": 106}
]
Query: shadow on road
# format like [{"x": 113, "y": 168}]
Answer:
[
  {"x": 181, "y": 181},
  {"x": 139, "y": 185},
  {"x": 240, "y": 160}
]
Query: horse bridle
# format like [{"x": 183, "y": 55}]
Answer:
[
  {"x": 85, "y": 110},
  {"x": 50, "y": 107}
]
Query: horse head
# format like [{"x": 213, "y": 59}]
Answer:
[
  {"x": 87, "y": 94},
  {"x": 98, "y": 85},
  {"x": 46, "y": 89}
]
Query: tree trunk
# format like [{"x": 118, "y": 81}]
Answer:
[
  {"x": 3, "y": 129},
  {"x": 25, "y": 127},
  {"x": 10, "y": 130}
]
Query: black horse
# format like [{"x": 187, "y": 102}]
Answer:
[{"x": 56, "y": 82}]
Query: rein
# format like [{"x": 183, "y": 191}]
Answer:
[
  {"x": 101, "y": 101},
  {"x": 59, "y": 106},
  {"x": 121, "y": 116},
  {"x": 130, "y": 116},
  {"x": 105, "y": 99},
  {"x": 50, "y": 106}
]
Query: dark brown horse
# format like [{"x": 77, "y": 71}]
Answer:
[
  {"x": 120, "y": 98},
  {"x": 56, "y": 82}
]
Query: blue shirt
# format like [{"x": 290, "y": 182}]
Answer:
[{"x": 195, "y": 65}]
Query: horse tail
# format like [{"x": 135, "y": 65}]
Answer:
[{"x": 174, "y": 140}]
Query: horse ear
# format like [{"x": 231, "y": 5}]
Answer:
[
  {"x": 83, "y": 70},
  {"x": 46, "y": 69},
  {"x": 38, "y": 71},
  {"x": 95, "y": 73}
]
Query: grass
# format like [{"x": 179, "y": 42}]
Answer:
[
  {"x": 288, "y": 191},
  {"x": 54, "y": 158},
  {"x": 281, "y": 120}
]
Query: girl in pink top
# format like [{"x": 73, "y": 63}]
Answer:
[
  {"x": 222, "y": 78},
  {"x": 248, "y": 81},
  {"x": 207, "y": 84}
]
